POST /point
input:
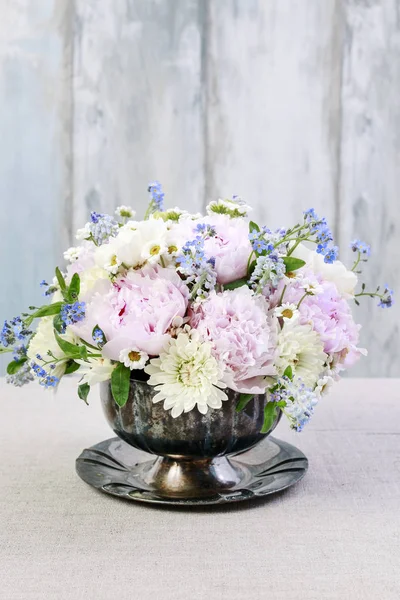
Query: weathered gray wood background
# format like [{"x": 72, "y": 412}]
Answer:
[{"x": 289, "y": 103}]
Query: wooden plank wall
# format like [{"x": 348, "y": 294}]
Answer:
[{"x": 289, "y": 103}]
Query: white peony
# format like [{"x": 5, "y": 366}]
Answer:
[
  {"x": 301, "y": 348},
  {"x": 185, "y": 375},
  {"x": 336, "y": 272},
  {"x": 44, "y": 341}
]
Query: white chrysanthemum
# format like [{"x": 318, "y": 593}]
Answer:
[
  {"x": 287, "y": 311},
  {"x": 95, "y": 370},
  {"x": 133, "y": 358},
  {"x": 125, "y": 212},
  {"x": 300, "y": 347},
  {"x": 186, "y": 374},
  {"x": 72, "y": 253},
  {"x": 44, "y": 341}
]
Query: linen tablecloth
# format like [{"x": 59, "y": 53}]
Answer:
[{"x": 334, "y": 535}]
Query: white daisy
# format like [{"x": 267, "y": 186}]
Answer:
[
  {"x": 311, "y": 286},
  {"x": 152, "y": 251},
  {"x": 300, "y": 347},
  {"x": 185, "y": 375},
  {"x": 133, "y": 358},
  {"x": 112, "y": 264},
  {"x": 95, "y": 370},
  {"x": 287, "y": 311}
]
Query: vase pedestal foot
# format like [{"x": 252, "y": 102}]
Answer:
[
  {"x": 118, "y": 469},
  {"x": 196, "y": 478}
]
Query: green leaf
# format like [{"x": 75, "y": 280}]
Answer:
[
  {"x": 61, "y": 281},
  {"x": 270, "y": 414},
  {"x": 44, "y": 311},
  {"x": 244, "y": 399},
  {"x": 83, "y": 391},
  {"x": 58, "y": 324},
  {"x": 253, "y": 226},
  {"x": 235, "y": 284},
  {"x": 69, "y": 349},
  {"x": 120, "y": 382},
  {"x": 15, "y": 365},
  {"x": 288, "y": 372},
  {"x": 72, "y": 366},
  {"x": 292, "y": 264},
  {"x": 74, "y": 288},
  {"x": 251, "y": 268}
]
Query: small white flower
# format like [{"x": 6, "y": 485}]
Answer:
[
  {"x": 323, "y": 386},
  {"x": 84, "y": 233},
  {"x": 311, "y": 286},
  {"x": 95, "y": 370},
  {"x": 133, "y": 358},
  {"x": 152, "y": 251},
  {"x": 185, "y": 375},
  {"x": 125, "y": 211},
  {"x": 113, "y": 264},
  {"x": 287, "y": 311},
  {"x": 234, "y": 208},
  {"x": 72, "y": 253}
]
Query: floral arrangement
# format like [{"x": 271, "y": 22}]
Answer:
[{"x": 195, "y": 305}]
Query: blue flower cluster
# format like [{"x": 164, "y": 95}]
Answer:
[
  {"x": 72, "y": 313},
  {"x": 156, "y": 195},
  {"x": 47, "y": 380},
  {"x": 320, "y": 230},
  {"x": 98, "y": 336},
  {"x": 13, "y": 331},
  {"x": 300, "y": 401},
  {"x": 102, "y": 227},
  {"x": 198, "y": 269},
  {"x": 50, "y": 288},
  {"x": 21, "y": 377},
  {"x": 266, "y": 240},
  {"x": 269, "y": 269},
  {"x": 361, "y": 247},
  {"x": 386, "y": 300}
]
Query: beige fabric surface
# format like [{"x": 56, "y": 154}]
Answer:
[{"x": 335, "y": 535}]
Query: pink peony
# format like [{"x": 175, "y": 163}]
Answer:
[
  {"x": 243, "y": 335},
  {"x": 231, "y": 247},
  {"x": 330, "y": 316},
  {"x": 135, "y": 310}
]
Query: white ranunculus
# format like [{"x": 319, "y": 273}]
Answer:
[{"x": 336, "y": 272}]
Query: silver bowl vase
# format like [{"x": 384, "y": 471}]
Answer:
[{"x": 191, "y": 459}]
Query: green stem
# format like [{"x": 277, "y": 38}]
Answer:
[
  {"x": 283, "y": 293},
  {"x": 357, "y": 261},
  {"x": 370, "y": 294},
  {"x": 162, "y": 261},
  {"x": 302, "y": 298}
]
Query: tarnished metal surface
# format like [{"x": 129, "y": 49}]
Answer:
[
  {"x": 184, "y": 460},
  {"x": 120, "y": 470},
  {"x": 148, "y": 426}
]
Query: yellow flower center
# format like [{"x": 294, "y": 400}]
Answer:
[
  {"x": 172, "y": 249},
  {"x": 134, "y": 356},
  {"x": 114, "y": 260},
  {"x": 290, "y": 274},
  {"x": 288, "y": 313},
  {"x": 155, "y": 250}
]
